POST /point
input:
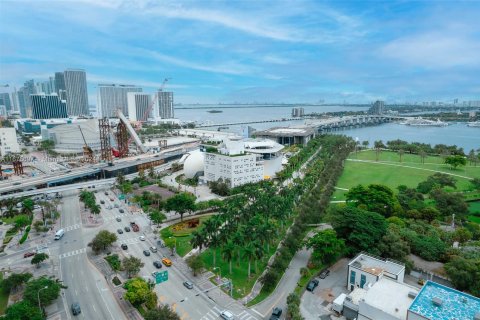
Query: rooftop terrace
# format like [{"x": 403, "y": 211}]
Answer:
[
  {"x": 438, "y": 302},
  {"x": 376, "y": 265}
]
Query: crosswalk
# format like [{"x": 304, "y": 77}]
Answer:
[
  {"x": 72, "y": 227},
  {"x": 115, "y": 217},
  {"x": 214, "y": 313},
  {"x": 72, "y": 253},
  {"x": 130, "y": 240}
]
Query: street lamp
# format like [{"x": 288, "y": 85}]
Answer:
[
  {"x": 175, "y": 246},
  {"x": 219, "y": 272},
  {"x": 38, "y": 296}
]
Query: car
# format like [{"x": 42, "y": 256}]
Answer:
[
  {"x": 127, "y": 229},
  {"x": 124, "y": 246},
  {"x": 167, "y": 262},
  {"x": 28, "y": 254},
  {"x": 116, "y": 205},
  {"x": 121, "y": 211},
  {"x": 106, "y": 193},
  {"x": 76, "y": 308},
  {"x": 102, "y": 202},
  {"x": 111, "y": 199},
  {"x": 120, "y": 231},
  {"x": 142, "y": 238},
  {"x": 312, "y": 285},
  {"x": 227, "y": 315},
  {"x": 157, "y": 264},
  {"x": 146, "y": 252},
  {"x": 324, "y": 273},
  {"x": 109, "y": 207},
  {"x": 119, "y": 219},
  {"x": 154, "y": 274},
  {"x": 276, "y": 313},
  {"x": 188, "y": 285},
  {"x": 153, "y": 249}
]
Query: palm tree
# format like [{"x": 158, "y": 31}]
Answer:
[
  {"x": 249, "y": 254},
  {"x": 378, "y": 148},
  {"x": 228, "y": 251},
  {"x": 401, "y": 152},
  {"x": 238, "y": 240},
  {"x": 198, "y": 240},
  {"x": 157, "y": 199},
  {"x": 258, "y": 253},
  {"x": 365, "y": 144},
  {"x": 214, "y": 243},
  {"x": 11, "y": 209},
  {"x": 423, "y": 155}
]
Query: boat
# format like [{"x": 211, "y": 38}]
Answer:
[
  {"x": 215, "y": 111},
  {"x": 420, "y": 122},
  {"x": 475, "y": 124}
]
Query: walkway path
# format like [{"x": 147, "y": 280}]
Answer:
[
  {"x": 404, "y": 166},
  {"x": 202, "y": 192}
]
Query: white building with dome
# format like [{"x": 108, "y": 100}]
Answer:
[{"x": 234, "y": 160}]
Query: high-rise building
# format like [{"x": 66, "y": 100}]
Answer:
[
  {"x": 138, "y": 104},
  {"x": 111, "y": 97},
  {"x": 29, "y": 89},
  {"x": 77, "y": 96},
  {"x": 5, "y": 101},
  {"x": 22, "y": 106},
  {"x": 60, "y": 85},
  {"x": 8, "y": 141},
  {"x": 48, "y": 106},
  {"x": 377, "y": 108},
  {"x": 165, "y": 105},
  {"x": 46, "y": 87}
]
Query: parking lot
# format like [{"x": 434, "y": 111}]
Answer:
[{"x": 317, "y": 303}]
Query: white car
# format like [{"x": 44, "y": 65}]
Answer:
[
  {"x": 227, "y": 315},
  {"x": 142, "y": 238}
]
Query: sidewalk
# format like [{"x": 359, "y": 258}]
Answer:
[{"x": 202, "y": 192}]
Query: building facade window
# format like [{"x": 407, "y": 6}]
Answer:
[
  {"x": 363, "y": 279},
  {"x": 352, "y": 276}
]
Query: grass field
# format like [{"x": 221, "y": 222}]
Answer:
[
  {"x": 391, "y": 172},
  {"x": 3, "y": 298}
]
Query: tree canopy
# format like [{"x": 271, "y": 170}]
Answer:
[
  {"x": 47, "y": 296},
  {"x": 39, "y": 258},
  {"x": 102, "y": 240},
  {"x": 456, "y": 161},
  {"x": 132, "y": 265},
  {"x": 375, "y": 197},
  {"x": 162, "y": 312},
  {"x": 181, "y": 203},
  {"x": 23, "y": 310},
  {"x": 139, "y": 291},
  {"x": 326, "y": 246}
]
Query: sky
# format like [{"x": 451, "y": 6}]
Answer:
[{"x": 251, "y": 51}]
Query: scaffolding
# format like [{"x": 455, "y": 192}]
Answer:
[
  {"x": 105, "y": 147},
  {"x": 18, "y": 167},
  {"x": 122, "y": 139}
]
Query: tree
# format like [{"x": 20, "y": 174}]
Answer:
[
  {"x": 195, "y": 262},
  {"x": 228, "y": 251},
  {"x": 462, "y": 235},
  {"x": 437, "y": 180},
  {"x": 464, "y": 274},
  {"x": 326, "y": 246},
  {"x": 401, "y": 152},
  {"x": 46, "y": 145},
  {"x": 393, "y": 246},
  {"x": 249, "y": 254},
  {"x": 163, "y": 312},
  {"x": 102, "y": 241},
  {"x": 132, "y": 265},
  {"x": 151, "y": 173},
  {"x": 120, "y": 178},
  {"x": 472, "y": 157},
  {"x": 27, "y": 207},
  {"x": 39, "y": 258},
  {"x": 21, "y": 221},
  {"x": 476, "y": 183},
  {"x": 39, "y": 226},
  {"x": 23, "y": 310},
  {"x": 430, "y": 248},
  {"x": 362, "y": 230},
  {"x": 170, "y": 243},
  {"x": 375, "y": 197},
  {"x": 156, "y": 216},
  {"x": 138, "y": 292},
  {"x": 14, "y": 281},
  {"x": 126, "y": 187},
  {"x": 378, "y": 145},
  {"x": 455, "y": 161},
  {"x": 422, "y": 155},
  {"x": 449, "y": 203},
  {"x": 410, "y": 198},
  {"x": 181, "y": 203},
  {"x": 365, "y": 144},
  {"x": 47, "y": 296}
]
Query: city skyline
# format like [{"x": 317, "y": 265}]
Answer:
[{"x": 284, "y": 52}]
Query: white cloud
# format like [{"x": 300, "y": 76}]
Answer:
[
  {"x": 435, "y": 50},
  {"x": 96, "y": 79}
]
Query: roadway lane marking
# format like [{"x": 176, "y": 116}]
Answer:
[
  {"x": 72, "y": 227},
  {"x": 254, "y": 310},
  {"x": 72, "y": 253}
]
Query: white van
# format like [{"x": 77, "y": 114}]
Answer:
[{"x": 59, "y": 234}]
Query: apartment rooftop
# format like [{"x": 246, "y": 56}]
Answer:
[
  {"x": 376, "y": 266},
  {"x": 438, "y": 302},
  {"x": 287, "y": 131},
  {"x": 391, "y": 297}
]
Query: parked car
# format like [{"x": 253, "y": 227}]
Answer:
[
  {"x": 157, "y": 264},
  {"x": 227, "y": 315},
  {"x": 142, "y": 238},
  {"x": 119, "y": 219},
  {"x": 324, "y": 273},
  {"x": 154, "y": 274},
  {"x": 116, "y": 205},
  {"x": 102, "y": 202},
  {"x": 111, "y": 199},
  {"x": 120, "y": 231},
  {"x": 28, "y": 254},
  {"x": 124, "y": 246},
  {"x": 153, "y": 249},
  {"x": 106, "y": 193},
  {"x": 188, "y": 285},
  {"x": 276, "y": 313},
  {"x": 146, "y": 252},
  {"x": 127, "y": 229},
  {"x": 312, "y": 285},
  {"x": 121, "y": 211},
  {"x": 76, "y": 308},
  {"x": 167, "y": 262}
]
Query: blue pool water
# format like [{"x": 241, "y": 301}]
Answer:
[
  {"x": 8, "y": 170},
  {"x": 455, "y": 304}
]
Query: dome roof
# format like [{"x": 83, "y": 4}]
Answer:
[{"x": 193, "y": 164}]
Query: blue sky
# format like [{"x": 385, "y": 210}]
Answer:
[{"x": 246, "y": 51}]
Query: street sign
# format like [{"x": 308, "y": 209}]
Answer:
[{"x": 161, "y": 277}]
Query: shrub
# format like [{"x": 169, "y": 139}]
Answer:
[
  {"x": 25, "y": 235},
  {"x": 116, "y": 281},
  {"x": 114, "y": 261}
]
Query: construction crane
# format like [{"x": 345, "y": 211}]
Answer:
[
  {"x": 155, "y": 97},
  {"x": 87, "y": 151}
]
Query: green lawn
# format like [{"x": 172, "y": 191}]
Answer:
[
  {"x": 474, "y": 219},
  {"x": 474, "y": 206},
  {"x": 393, "y": 175},
  {"x": 183, "y": 236},
  {"x": 3, "y": 298}
]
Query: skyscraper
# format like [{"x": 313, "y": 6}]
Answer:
[
  {"x": 21, "y": 102},
  {"x": 77, "y": 96},
  {"x": 60, "y": 85},
  {"x": 48, "y": 106},
  {"x": 5, "y": 101},
  {"x": 28, "y": 89},
  {"x": 377, "y": 108},
  {"x": 138, "y": 104},
  {"x": 165, "y": 105},
  {"x": 46, "y": 87},
  {"x": 111, "y": 97}
]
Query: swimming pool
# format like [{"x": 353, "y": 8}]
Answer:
[{"x": 453, "y": 303}]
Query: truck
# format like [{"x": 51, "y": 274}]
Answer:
[{"x": 134, "y": 226}]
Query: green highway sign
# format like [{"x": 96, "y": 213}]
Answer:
[{"x": 161, "y": 277}]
